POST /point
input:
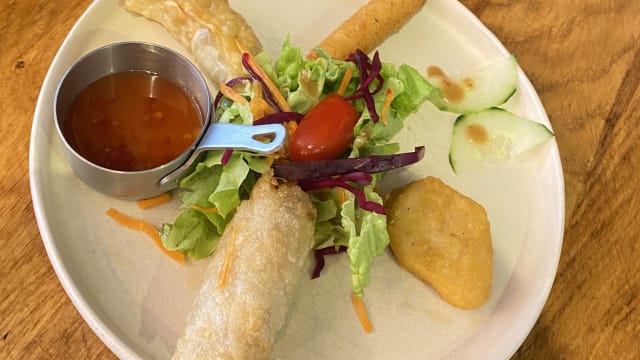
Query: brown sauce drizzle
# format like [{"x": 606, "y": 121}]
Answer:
[
  {"x": 454, "y": 91},
  {"x": 477, "y": 133}
]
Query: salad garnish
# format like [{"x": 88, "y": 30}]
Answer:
[
  {"x": 362, "y": 101},
  {"x": 293, "y": 86}
]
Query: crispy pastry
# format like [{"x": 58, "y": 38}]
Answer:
[
  {"x": 444, "y": 238},
  {"x": 369, "y": 26},
  {"x": 209, "y": 28},
  {"x": 252, "y": 277}
]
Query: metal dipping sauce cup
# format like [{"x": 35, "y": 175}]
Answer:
[{"x": 159, "y": 60}]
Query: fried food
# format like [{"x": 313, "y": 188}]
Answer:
[
  {"x": 369, "y": 26},
  {"x": 444, "y": 238},
  {"x": 252, "y": 277},
  {"x": 209, "y": 28}
]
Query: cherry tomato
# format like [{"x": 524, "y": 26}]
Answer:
[{"x": 325, "y": 132}]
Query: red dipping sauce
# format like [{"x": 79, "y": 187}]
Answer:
[{"x": 132, "y": 121}]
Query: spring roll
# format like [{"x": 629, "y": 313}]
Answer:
[
  {"x": 252, "y": 277},
  {"x": 369, "y": 26},
  {"x": 209, "y": 28}
]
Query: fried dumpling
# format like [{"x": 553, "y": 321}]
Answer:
[{"x": 209, "y": 28}]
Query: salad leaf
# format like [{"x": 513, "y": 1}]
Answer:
[
  {"x": 226, "y": 196},
  {"x": 329, "y": 230},
  {"x": 200, "y": 184},
  {"x": 304, "y": 82},
  {"x": 191, "y": 233},
  {"x": 233, "y": 112},
  {"x": 210, "y": 195},
  {"x": 417, "y": 90},
  {"x": 368, "y": 237}
]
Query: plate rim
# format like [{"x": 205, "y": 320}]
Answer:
[
  {"x": 91, "y": 317},
  {"x": 120, "y": 347}
]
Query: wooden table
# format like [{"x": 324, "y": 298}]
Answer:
[{"x": 583, "y": 57}]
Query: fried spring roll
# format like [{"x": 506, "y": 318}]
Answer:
[
  {"x": 252, "y": 277},
  {"x": 369, "y": 26},
  {"x": 209, "y": 28}
]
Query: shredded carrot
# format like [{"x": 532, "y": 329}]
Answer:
[
  {"x": 277, "y": 95},
  {"x": 230, "y": 93},
  {"x": 147, "y": 228},
  {"x": 256, "y": 88},
  {"x": 204, "y": 210},
  {"x": 154, "y": 201},
  {"x": 241, "y": 47},
  {"x": 342, "y": 196},
  {"x": 345, "y": 81},
  {"x": 259, "y": 107},
  {"x": 385, "y": 106},
  {"x": 361, "y": 311},
  {"x": 291, "y": 126},
  {"x": 224, "y": 271}
]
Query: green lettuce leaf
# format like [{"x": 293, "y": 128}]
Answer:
[
  {"x": 200, "y": 184},
  {"x": 417, "y": 90},
  {"x": 305, "y": 82},
  {"x": 328, "y": 230},
  {"x": 226, "y": 196},
  {"x": 235, "y": 113},
  {"x": 368, "y": 237},
  {"x": 192, "y": 234},
  {"x": 197, "y": 229}
]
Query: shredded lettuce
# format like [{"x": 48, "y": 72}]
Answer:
[
  {"x": 368, "y": 237},
  {"x": 304, "y": 82},
  {"x": 329, "y": 230}
]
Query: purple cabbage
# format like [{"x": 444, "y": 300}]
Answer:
[
  {"x": 319, "y": 255},
  {"x": 344, "y": 181},
  {"x": 265, "y": 89},
  {"x": 279, "y": 117},
  {"x": 369, "y": 71}
]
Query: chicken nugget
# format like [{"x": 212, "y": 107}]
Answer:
[{"x": 444, "y": 238}]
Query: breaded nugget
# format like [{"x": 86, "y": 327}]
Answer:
[
  {"x": 369, "y": 26},
  {"x": 263, "y": 249},
  {"x": 444, "y": 238}
]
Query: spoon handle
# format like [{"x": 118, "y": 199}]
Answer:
[{"x": 262, "y": 139}]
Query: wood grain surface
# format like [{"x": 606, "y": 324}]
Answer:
[{"x": 583, "y": 57}]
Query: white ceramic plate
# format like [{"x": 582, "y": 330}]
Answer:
[{"x": 136, "y": 300}]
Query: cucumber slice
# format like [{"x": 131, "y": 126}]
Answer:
[
  {"x": 488, "y": 87},
  {"x": 492, "y": 136}
]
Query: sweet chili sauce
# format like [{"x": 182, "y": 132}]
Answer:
[{"x": 132, "y": 121}]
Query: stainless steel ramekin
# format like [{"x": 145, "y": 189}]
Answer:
[{"x": 140, "y": 56}]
